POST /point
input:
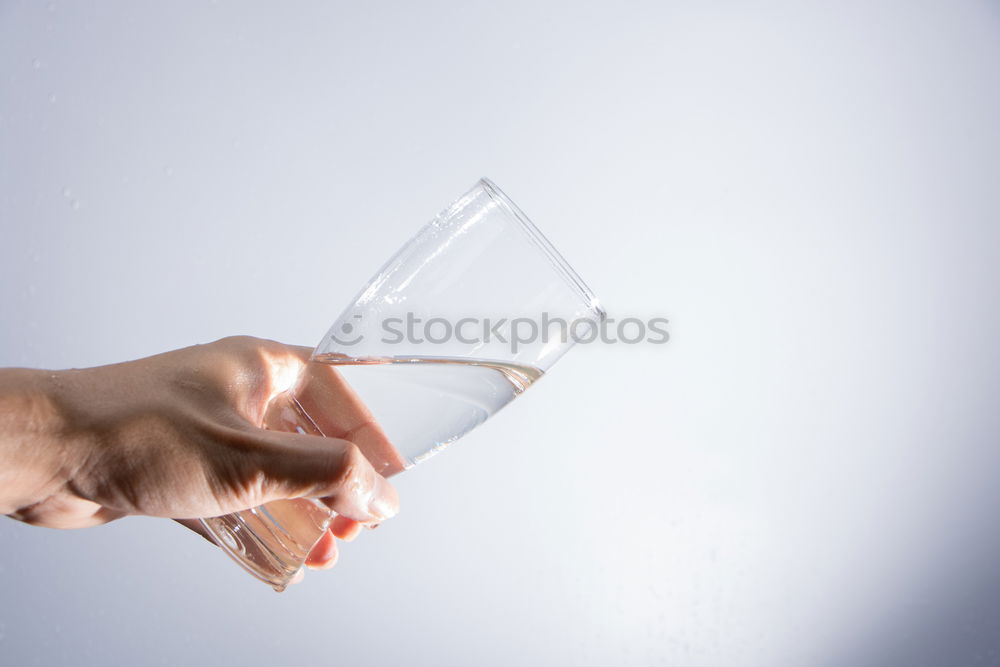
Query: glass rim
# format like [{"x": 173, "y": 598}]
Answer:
[{"x": 536, "y": 236}]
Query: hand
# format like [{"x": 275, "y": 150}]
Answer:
[{"x": 179, "y": 435}]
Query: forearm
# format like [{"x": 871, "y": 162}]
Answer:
[{"x": 37, "y": 452}]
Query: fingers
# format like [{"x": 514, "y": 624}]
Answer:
[
  {"x": 254, "y": 373},
  {"x": 344, "y": 528},
  {"x": 360, "y": 493},
  {"x": 257, "y": 374},
  {"x": 337, "y": 411},
  {"x": 335, "y": 471},
  {"x": 324, "y": 554}
]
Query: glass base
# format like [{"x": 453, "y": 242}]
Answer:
[{"x": 271, "y": 542}]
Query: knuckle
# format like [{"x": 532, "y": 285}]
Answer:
[
  {"x": 238, "y": 341},
  {"x": 351, "y": 475},
  {"x": 245, "y": 352}
]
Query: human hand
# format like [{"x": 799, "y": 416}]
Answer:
[{"x": 179, "y": 435}]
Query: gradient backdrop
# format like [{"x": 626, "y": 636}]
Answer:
[{"x": 807, "y": 474}]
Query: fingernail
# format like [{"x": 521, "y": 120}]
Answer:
[
  {"x": 324, "y": 564},
  {"x": 384, "y": 502}
]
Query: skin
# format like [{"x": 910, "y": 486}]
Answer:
[{"x": 180, "y": 435}]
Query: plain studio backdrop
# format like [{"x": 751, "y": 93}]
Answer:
[{"x": 806, "y": 474}]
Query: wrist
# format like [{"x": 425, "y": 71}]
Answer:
[{"x": 40, "y": 451}]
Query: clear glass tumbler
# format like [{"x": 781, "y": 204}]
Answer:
[{"x": 463, "y": 319}]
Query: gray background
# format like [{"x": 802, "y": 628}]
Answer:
[{"x": 806, "y": 474}]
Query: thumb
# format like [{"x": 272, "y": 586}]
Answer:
[{"x": 292, "y": 465}]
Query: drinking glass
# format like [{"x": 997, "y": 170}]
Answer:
[{"x": 461, "y": 320}]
